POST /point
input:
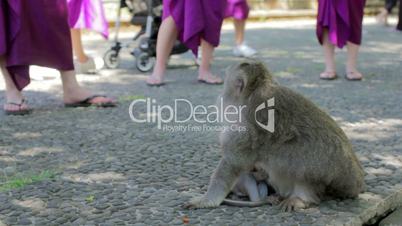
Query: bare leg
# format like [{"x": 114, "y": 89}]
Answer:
[
  {"x": 351, "y": 65},
  {"x": 382, "y": 17},
  {"x": 77, "y": 46},
  {"x": 239, "y": 30},
  {"x": 329, "y": 55},
  {"x": 241, "y": 49},
  {"x": 85, "y": 64},
  {"x": 73, "y": 92},
  {"x": 13, "y": 95},
  {"x": 205, "y": 73},
  {"x": 166, "y": 38}
]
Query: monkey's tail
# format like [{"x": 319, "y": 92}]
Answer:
[{"x": 239, "y": 203}]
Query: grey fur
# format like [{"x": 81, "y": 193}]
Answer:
[{"x": 307, "y": 158}]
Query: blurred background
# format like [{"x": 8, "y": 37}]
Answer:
[{"x": 265, "y": 9}]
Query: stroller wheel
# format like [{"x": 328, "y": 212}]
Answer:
[
  {"x": 144, "y": 63},
  {"x": 111, "y": 59}
]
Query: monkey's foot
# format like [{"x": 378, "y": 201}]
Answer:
[
  {"x": 293, "y": 203},
  {"x": 201, "y": 202}
]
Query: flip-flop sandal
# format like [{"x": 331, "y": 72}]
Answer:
[
  {"x": 352, "y": 79},
  {"x": 20, "y": 111},
  {"x": 329, "y": 78},
  {"x": 87, "y": 103},
  {"x": 156, "y": 84},
  {"x": 209, "y": 83}
]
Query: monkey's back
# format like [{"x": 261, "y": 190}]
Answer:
[{"x": 316, "y": 147}]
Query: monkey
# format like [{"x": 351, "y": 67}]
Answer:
[
  {"x": 254, "y": 186},
  {"x": 247, "y": 185},
  {"x": 306, "y": 158}
]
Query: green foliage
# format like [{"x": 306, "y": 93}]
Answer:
[
  {"x": 21, "y": 181},
  {"x": 90, "y": 198}
]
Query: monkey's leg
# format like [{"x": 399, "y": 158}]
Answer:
[{"x": 222, "y": 182}]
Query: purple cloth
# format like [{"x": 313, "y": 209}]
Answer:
[
  {"x": 3, "y": 30},
  {"x": 238, "y": 9},
  {"x": 343, "y": 19},
  {"x": 196, "y": 20},
  {"x": 88, "y": 14},
  {"x": 37, "y": 33}
]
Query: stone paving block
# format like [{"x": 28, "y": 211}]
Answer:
[
  {"x": 112, "y": 171},
  {"x": 394, "y": 219}
]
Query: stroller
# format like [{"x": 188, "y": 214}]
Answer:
[{"x": 148, "y": 15}]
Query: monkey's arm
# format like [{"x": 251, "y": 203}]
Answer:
[{"x": 222, "y": 181}]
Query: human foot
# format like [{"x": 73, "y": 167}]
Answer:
[
  {"x": 15, "y": 103},
  {"x": 243, "y": 50},
  {"x": 17, "y": 108},
  {"x": 85, "y": 66},
  {"x": 353, "y": 75},
  {"x": 80, "y": 97},
  {"x": 382, "y": 17},
  {"x": 328, "y": 75},
  {"x": 155, "y": 80},
  {"x": 209, "y": 78}
]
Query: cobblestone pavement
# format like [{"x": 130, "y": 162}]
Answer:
[{"x": 109, "y": 170}]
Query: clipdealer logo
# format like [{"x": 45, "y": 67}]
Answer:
[
  {"x": 267, "y": 106},
  {"x": 184, "y": 111}
]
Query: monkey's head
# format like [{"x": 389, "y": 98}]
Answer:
[{"x": 245, "y": 78}]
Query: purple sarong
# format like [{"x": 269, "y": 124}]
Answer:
[
  {"x": 238, "y": 9},
  {"x": 36, "y": 33},
  {"x": 3, "y": 46},
  {"x": 196, "y": 20},
  {"x": 343, "y": 19},
  {"x": 88, "y": 14}
]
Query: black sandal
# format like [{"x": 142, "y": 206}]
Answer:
[
  {"x": 209, "y": 83},
  {"x": 20, "y": 111},
  {"x": 155, "y": 84},
  {"x": 87, "y": 103}
]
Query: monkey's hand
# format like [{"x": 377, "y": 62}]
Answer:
[{"x": 201, "y": 202}]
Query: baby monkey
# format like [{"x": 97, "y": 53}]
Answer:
[
  {"x": 306, "y": 156},
  {"x": 248, "y": 185}
]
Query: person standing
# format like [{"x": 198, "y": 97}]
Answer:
[
  {"x": 399, "y": 26},
  {"x": 239, "y": 11},
  {"x": 339, "y": 24},
  {"x": 86, "y": 14},
  {"x": 195, "y": 23},
  {"x": 382, "y": 17},
  {"x": 36, "y": 32}
]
